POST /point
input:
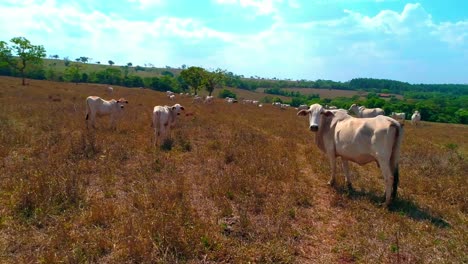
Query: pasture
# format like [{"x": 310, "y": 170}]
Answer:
[
  {"x": 237, "y": 184},
  {"x": 323, "y": 93}
]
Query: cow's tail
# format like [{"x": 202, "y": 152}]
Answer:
[
  {"x": 87, "y": 109},
  {"x": 395, "y": 157}
]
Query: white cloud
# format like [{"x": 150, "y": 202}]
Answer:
[
  {"x": 261, "y": 7},
  {"x": 353, "y": 45},
  {"x": 144, "y": 4}
]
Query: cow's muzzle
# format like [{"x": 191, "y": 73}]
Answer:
[{"x": 314, "y": 128}]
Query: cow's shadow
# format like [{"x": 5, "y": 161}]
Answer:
[{"x": 400, "y": 205}]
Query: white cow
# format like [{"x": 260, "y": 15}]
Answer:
[
  {"x": 98, "y": 106},
  {"x": 277, "y": 104},
  {"x": 284, "y": 106},
  {"x": 231, "y": 100},
  {"x": 416, "y": 118},
  {"x": 303, "y": 107},
  {"x": 362, "y": 111},
  {"x": 169, "y": 93},
  {"x": 360, "y": 140},
  {"x": 330, "y": 107},
  {"x": 197, "y": 99},
  {"x": 400, "y": 117},
  {"x": 172, "y": 97},
  {"x": 109, "y": 90},
  {"x": 164, "y": 118},
  {"x": 209, "y": 99}
]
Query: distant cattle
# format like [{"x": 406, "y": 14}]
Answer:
[
  {"x": 209, "y": 99},
  {"x": 169, "y": 93},
  {"x": 303, "y": 107},
  {"x": 360, "y": 140},
  {"x": 231, "y": 100},
  {"x": 416, "y": 118},
  {"x": 197, "y": 99},
  {"x": 100, "y": 107},
  {"x": 110, "y": 90},
  {"x": 362, "y": 111},
  {"x": 164, "y": 118},
  {"x": 172, "y": 97},
  {"x": 400, "y": 117},
  {"x": 330, "y": 107}
]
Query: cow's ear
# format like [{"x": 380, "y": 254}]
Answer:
[
  {"x": 126, "y": 101},
  {"x": 183, "y": 109},
  {"x": 303, "y": 112},
  {"x": 327, "y": 113},
  {"x": 173, "y": 108}
]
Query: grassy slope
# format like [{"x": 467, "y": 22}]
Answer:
[{"x": 240, "y": 184}]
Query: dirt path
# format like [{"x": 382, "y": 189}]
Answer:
[{"x": 323, "y": 221}]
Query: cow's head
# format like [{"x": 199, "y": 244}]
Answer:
[
  {"x": 315, "y": 113},
  {"x": 353, "y": 107},
  {"x": 177, "y": 108},
  {"x": 121, "y": 102}
]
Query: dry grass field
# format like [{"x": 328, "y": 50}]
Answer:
[
  {"x": 323, "y": 93},
  {"x": 237, "y": 184}
]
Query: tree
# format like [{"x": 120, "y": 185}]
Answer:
[
  {"x": 111, "y": 62},
  {"x": 184, "y": 66},
  {"x": 193, "y": 76},
  {"x": 84, "y": 59},
  {"x": 21, "y": 54},
  {"x": 66, "y": 61},
  {"x": 212, "y": 80},
  {"x": 98, "y": 62},
  {"x": 73, "y": 73},
  {"x": 129, "y": 64},
  {"x": 226, "y": 93}
]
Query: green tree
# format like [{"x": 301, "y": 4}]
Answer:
[
  {"x": 84, "y": 59},
  {"x": 212, "y": 80},
  {"x": 73, "y": 73},
  {"x": 21, "y": 54},
  {"x": 193, "y": 76},
  {"x": 227, "y": 93},
  {"x": 111, "y": 62}
]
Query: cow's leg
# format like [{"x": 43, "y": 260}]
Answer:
[
  {"x": 93, "y": 120},
  {"x": 332, "y": 159},
  {"x": 156, "y": 135},
  {"x": 113, "y": 122},
  {"x": 346, "y": 173},
  {"x": 388, "y": 178}
]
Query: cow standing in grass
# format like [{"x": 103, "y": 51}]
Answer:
[
  {"x": 400, "y": 117},
  {"x": 164, "y": 118},
  {"x": 96, "y": 106},
  {"x": 362, "y": 111},
  {"x": 416, "y": 118},
  {"x": 360, "y": 140}
]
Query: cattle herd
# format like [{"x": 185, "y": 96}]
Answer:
[{"x": 369, "y": 137}]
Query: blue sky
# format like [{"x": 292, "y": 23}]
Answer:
[{"x": 425, "y": 41}]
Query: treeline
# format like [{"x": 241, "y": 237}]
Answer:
[{"x": 434, "y": 107}]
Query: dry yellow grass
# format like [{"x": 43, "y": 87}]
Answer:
[{"x": 240, "y": 184}]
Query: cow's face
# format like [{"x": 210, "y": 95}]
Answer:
[
  {"x": 314, "y": 112},
  {"x": 177, "y": 108},
  {"x": 121, "y": 103}
]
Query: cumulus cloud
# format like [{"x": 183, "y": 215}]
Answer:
[
  {"x": 389, "y": 44},
  {"x": 143, "y": 4},
  {"x": 262, "y": 7}
]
